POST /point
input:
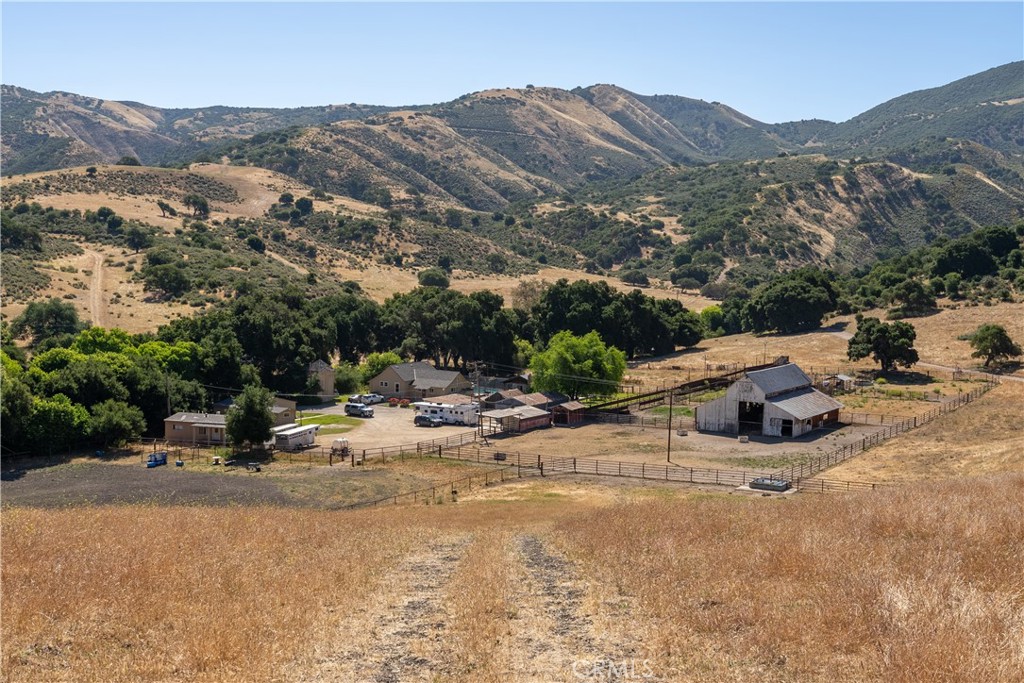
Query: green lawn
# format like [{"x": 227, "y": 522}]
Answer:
[
  {"x": 331, "y": 424},
  {"x": 677, "y": 411}
]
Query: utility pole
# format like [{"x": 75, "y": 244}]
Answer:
[{"x": 668, "y": 455}]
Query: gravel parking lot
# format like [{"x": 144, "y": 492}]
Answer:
[{"x": 388, "y": 427}]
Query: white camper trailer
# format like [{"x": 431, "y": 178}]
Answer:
[
  {"x": 296, "y": 437},
  {"x": 462, "y": 414}
]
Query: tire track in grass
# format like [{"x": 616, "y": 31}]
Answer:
[
  {"x": 558, "y": 638},
  {"x": 401, "y": 636}
]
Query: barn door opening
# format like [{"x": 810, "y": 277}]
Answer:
[
  {"x": 787, "y": 428},
  {"x": 751, "y": 417}
]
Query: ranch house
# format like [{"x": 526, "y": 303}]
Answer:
[
  {"x": 778, "y": 401},
  {"x": 418, "y": 380},
  {"x": 196, "y": 428}
]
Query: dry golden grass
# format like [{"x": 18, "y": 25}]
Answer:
[
  {"x": 906, "y": 584},
  {"x": 912, "y": 584},
  {"x": 979, "y": 438},
  {"x": 132, "y": 594}
]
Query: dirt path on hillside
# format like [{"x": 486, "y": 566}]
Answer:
[
  {"x": 553, "y": 636},
  {"x": 97, "y": 295},
  {"x": 281, "y": 259},
  {"x": 401, "y": 635}
]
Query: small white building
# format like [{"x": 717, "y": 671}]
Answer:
[
  {"x": 778, "y": 401},
  {"x": 451, "y": 413}
]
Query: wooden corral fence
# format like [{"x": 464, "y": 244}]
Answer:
[
  {"x": 657, "y": 422},
  {"x": 547, "y": 465},
  {"x": 796, "y": 473},
  {"x": 440, "y": 492},
  {"x": 679, "y": 391}
]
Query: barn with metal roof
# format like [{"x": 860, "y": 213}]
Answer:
[{"x": 777, "y": 401}]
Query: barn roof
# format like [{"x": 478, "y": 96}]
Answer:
[
  {"x": 805, "y": 403},
  {"x": 780, "y": 379},
  {"x": 524, "y": 412}
]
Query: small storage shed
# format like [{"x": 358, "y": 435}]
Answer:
[
  {"x": 518, "y": 420},
  {"x": 569, "y": 414},
  {"x": 778, "y": 401}
]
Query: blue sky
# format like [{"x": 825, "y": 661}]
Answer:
[{"x": 772, "y": 61}]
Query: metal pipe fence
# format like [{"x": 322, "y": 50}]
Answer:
[{"x": 894, "y": 428}]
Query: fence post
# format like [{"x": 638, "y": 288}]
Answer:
[{"x": 643, "y": 470}]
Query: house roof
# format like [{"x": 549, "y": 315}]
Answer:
[
  {"x": 423, "y": 375},
  {"x": 503, "y": 394},
  {"x": 226, "y": 403},
  {"x": 451, "y": 399},
  {"x": 780, "y": 379},
  {"x": 202, "y": 419},
  {"x": 318, "y": 365},
  {"x": 805, "y": 403},
  {"x": 570, "y": 406}
]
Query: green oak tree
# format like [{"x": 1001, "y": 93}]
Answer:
[
  {"x": 992, "y": 342},
  {"x": 249, "y": 419},
  {"x": 889, "y": 344}
]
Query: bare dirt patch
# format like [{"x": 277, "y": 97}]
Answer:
[
  {"x": 625, "y": 443},
  {"x": 128, "y": 482}
]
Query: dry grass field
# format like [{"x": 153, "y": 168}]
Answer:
[
  {"x": 906, "y": 584},
  {"x": 937, "y": 343},
  {"x": 938, "y": 335},
  {"x": 981, "y": 438}
]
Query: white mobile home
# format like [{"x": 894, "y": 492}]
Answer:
[
  {"x": 462, "y": 414},
  {"x": 295, "y": 437}
]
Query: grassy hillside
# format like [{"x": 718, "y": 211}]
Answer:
[
  {"x": 986, "y": 108},
  {"x": 890, "y": 583},
  {"x": 765, "y": 216},
  {"x": 43, "y": 131}
]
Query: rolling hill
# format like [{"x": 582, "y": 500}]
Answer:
[{"x": 597, "y": 179}]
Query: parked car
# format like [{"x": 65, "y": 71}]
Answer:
[
  {"x": 358, "y": 410},
  {"x": 371, "y": 399},
  {"x": 427, "y": 421}
]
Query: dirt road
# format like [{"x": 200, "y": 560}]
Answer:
[
  {"x": 97, "y": 294},
  {"x": 504, "y": 606}
]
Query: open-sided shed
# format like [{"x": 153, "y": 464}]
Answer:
[{"x": 569, "y": 413}]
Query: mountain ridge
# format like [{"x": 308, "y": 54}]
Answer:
[{"x": 43, "y": 131}]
